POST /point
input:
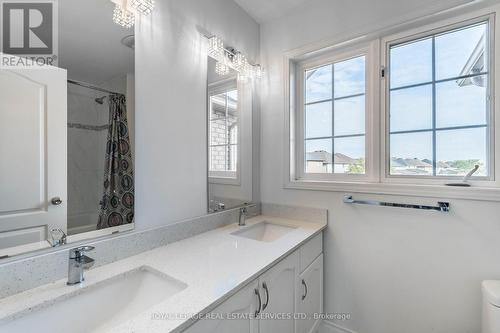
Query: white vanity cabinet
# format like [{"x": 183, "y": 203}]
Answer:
[
  {"x": 277, "y": 295},
  {"x": 310, "y": 300},
  {"x": 310, "y": 284},
  {"x": 237, "y": 309}
]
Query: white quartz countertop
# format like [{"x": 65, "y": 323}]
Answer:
[{"x": 214, "y": 266}]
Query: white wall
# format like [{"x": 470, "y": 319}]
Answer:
[
  {"x": 393, "y": 270},
  {"x": 171, "y": 80}
]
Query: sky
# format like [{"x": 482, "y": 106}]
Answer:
[{"x": 411, "y": 108}]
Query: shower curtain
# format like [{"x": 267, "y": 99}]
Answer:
[{"x": 117, "y": 204}]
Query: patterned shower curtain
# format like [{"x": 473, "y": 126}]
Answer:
[{"x": 117, "y": 205}]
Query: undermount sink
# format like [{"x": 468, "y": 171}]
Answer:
[
  {"x": 100, "y": 307},
  {"x": 264, "y": 231}
]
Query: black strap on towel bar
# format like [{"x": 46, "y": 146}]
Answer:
[{"x": 443, "y": 207}]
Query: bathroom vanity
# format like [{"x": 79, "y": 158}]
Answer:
[
  {"x": 270, "y": 267},
  {"x": 70, "y": 257},
  {"x": 283, "y": 297}
]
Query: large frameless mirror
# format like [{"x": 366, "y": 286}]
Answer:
[
  {"x": 229, "y": 118},
  {"x": 67, "y": 136}
]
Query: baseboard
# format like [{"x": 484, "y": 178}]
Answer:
[
  {"x": 316, "y": 326},
  {"x": 330, "y": 327}
]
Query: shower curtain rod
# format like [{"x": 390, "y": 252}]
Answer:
[{"x": 87, "y": 85}]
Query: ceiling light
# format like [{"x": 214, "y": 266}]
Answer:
[
  {"x": 123, "y": 17},
  {"x": 144, "y": 7}
]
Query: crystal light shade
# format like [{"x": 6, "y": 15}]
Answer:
[
  {"x": 228, "y": 59},
  {"x": 221, "y": 69},
  {"x": 216, "y": 47},
  {"x": 239, "y": 61},
  {"x": 123, "y": 17},
  {"x": 144, "y": 7},
  {"x": 246, "y": 71}
]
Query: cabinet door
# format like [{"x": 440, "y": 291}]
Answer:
[
  {"x": 236, "y": 315},
  {"x": 310, "y": 299},
  {"x": 279, "y": 289}
]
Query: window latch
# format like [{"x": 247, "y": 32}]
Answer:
[{"x": 382, "y": 72}]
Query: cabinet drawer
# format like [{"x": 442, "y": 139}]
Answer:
[{"x": 310, "y": 251}]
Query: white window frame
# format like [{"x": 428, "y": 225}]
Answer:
[
  {"x": 224, "y": 177},
  {"x": 367, "y": 50},
  {"x": 415, "y": 34},
  {"x": 379, "y": 183}
]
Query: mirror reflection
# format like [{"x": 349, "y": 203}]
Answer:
[
  {"x": 67, "y": 143},
  {"x": 229, "y": 139}
]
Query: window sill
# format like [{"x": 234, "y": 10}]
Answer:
[
  {"x": 224, "y": 181},
  {"x": 413, "y": 190}
]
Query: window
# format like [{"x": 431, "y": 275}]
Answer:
[
  {"x": 414, "y": 108},
  {"x": 439, "y": 110},
  {"x": 333, "y": 108},
  {"x": 223, "y": 131}
]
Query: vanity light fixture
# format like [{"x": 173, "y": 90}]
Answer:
[
  {"x": 122, "y": 16},
  {"x": 230, "y": 58},
  {"x": 126, "y": 11},
  {"x": 246, "y": 72},
  {"x": 145, "y": 7},
  {"x": 216, "y": 48},
  {"x": 221, "y": 68},
  {"x": 239, "y": 61}
]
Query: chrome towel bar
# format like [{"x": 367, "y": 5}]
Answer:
[{"x": 441, "y": 207}]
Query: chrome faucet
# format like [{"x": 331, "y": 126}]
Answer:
[
  {"x": 57, "y": 237},
  {"x": 243, "y": 216},
  {"x": 78, "y": 262}
]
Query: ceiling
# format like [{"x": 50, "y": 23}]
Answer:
[
  {"x": 266, "y": 10},
  {"x": 90, "y": 45}
]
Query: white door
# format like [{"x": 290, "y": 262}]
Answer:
[
  {"x": 32, "y": 154},
  {"x": 241, "y": 309},
  {"x": 310, "y": 299},
  {"x": 279, "y": 292}
]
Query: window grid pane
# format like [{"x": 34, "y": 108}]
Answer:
[
  {"x": 479, "y": 77},
  {"x": 223, "y": 145},
  {"x": 320, "y": 137}
]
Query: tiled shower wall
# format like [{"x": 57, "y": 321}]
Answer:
[{"x": 87, "y": 132}]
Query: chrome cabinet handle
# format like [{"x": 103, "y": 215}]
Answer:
[
  {"x": 305, "y": 289},
  {"x": 264, "y": 285},
  {"x": 260, "y": 302},
  {"x": 56, "y": 201}
]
